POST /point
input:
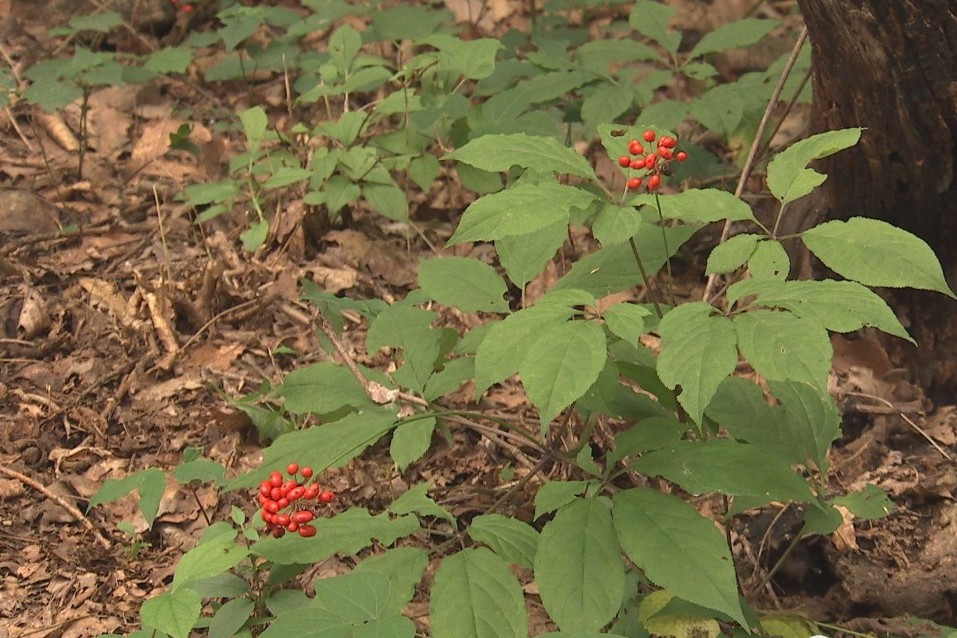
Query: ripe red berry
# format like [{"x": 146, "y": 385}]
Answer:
[
  {"x": 275, "y": 493},
  {"x": 303, "y": 516},
  {"x": 637, "y": 164},
  {"x": 681, "y": 156},
  {"x": 667, "y": 142},
  {"x": 292, "y": 526},
  {"x": 271, "y": 507},
  {"x": 275, "y": 479},
  {"x": 649, "y": 135},
  {"x": 665, "y": 153},
  {"x": 654, "y": 182},
  {"x": 296, "y": 493},
  {"x": 634, "y": 183},
  {"x": 187, "y": 8},
  {"x": 650, "y": 160},
  {"x": 312, "y": 491},
  {"x": 292, "y": 469},
  {"x": 306, "y": 472},
  {"x": 327, "y": 497},
  {"x": 635, "y": 147},
  {"x": 278, "y": 532},
  {"x": 624, "y": 161},
  {"x": 281, "y": 519},
  {"x": 307, "y": 531},
  {"x": 265, "y": 488}
]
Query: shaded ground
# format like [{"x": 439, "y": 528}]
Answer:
[{"x": 122, "y": 339}]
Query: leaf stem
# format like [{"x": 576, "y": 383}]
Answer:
[
  {"x": 664, "y": 241},
  {"x": 644, "y": 276}
]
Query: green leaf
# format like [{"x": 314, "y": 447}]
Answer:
[
  {"x": 323, "y": 446},
  {"x": 169, "y": 60},
  {"x": 214, "y": 192},
  {"x": 417, "y": 501},
  {"x": 476, "y": 595},
  {"x": 472, "y": 59},
  {"x": 648, "y": 434},
  {"x": 626, "y": 321},
  {"x": 346, "y": 533},
  {"x": 464, "y": 283},
  {"x": 388, "y": 199},
  {"x": 578, "y": 567},
  {"x": 699, "y": 205},
  {"x": 720, "y": 108},
  {"x": 503, "y": 349},
  {"x": 870, "y": 503},
  {"x": 560, "y": 366},
  {"x": 411, "y": 441},
  {"x": 353, "y": 597},
  {"x": 520, "y": 210},
  {"x": 716, "y": 465},
  {"x": 810, "y": 418},
  {"x": 230, "y": 618},
  {"x": 606, "y": 103},
  {"x": 651, "y": 19},
  {"x": 150, "y": 483},
  {"x": 511, "y": 539},
  {"x": 408, "y": 328},
  {"x": 556, "y": 494},
  {"x": 598, "y": 55},
  {"x": 254, "y": 126},
  {"x": 208, "y": 559},
  {"x": 173, "y": 613},
  {"x": 876, "y": 253},
  {"x": 615, "y": 224},
  {"x": 697, "y": 352},
  {"x": 732, "y": 35},
  {"x": 742, "y": 409},
  {"x": 769, "y": 261},
  {"x": 306, "y": 622},
  {"x": 781, "y": 346},
  {"x": 661, "y": 613},
  {"x": 102, "y": 22},
  {"x": 321, "y": 388},
  {"x": 732, "y": 254},
  {"x": 255, "y": 236},
  {"x": 498, "y": 153},
  {"x": 404, "y": 567},
  {"x": 344, "y": 45},
  {"x": 450, "y": 378},
  {"x": 423, "y": 171},
  {"x": 524, "y": 256},
  {"x": 841, "y": 306},
  {"x": 678, "y": 549},
  {"x": 788, "y": 176}
]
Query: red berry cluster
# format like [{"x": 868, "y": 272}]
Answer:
[
  {"x": 654, "y": 163},
  {"x": 186, "y": 7},
  {"x": 278, "y": 497}
]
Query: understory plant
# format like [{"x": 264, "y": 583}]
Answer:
[{"x": 619, "y": 546}]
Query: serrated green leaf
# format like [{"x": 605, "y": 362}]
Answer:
[
  {"x": 781, "y": 346},
  {"x": 697, "y": 353},
  {"x": 472, "y": 59},
  {"x": 306, "y": 622},
  {"x": 344, "y": 45},
  {"x": 559, "y": 367},
  {"x": 208, "y": 559},
  {"x": 841, "y": 306},
  {"x": 716, "y": 465},
  {"x": 411, "y": 441},
  {"x": 648, "y": 434},
  {"x": 655, "y": 615},
  {"x": 498, "y": 153},
  {"x": 651, "y": 20},
  {"x": 321, "y": 388},
  {"x": 732, "y": 254},
  {"x": 229, "y": 619},
  {"x": 464, "y": 283},
  {"x": 876, "y": 253},
  {"x": 404, "y": 567},
  {"x": 732, "y": 35},
  {"x": 201, "y": 194},
  {"x": 699, "y": 205},
  {"x": 626, "y": 321},
  {"x": 408, "y": 328},
  {"x": 150, "y": 483},
  {"x": 615, "y": 224},
  {"x": 388, "y": 199},
  {"x": 323, "y": 446},
  {"x": 524, "y": 256},
  {"x": 475, "y": 595},
  {"x": 101, "y": 22},
  {"x": 254, "y": 122},
  {"x": 742, "y": 409},
  {"x": 720, "y": 108},
  {"x": 598, "y": 55},
  {"x": 511, "y": 539},
  {"x": 870, "y": 503},
  {"x": 353, "y": 597},
  {"x": 255, "y": 236},
  {"x": 788, "y": 176},
  {"x": 169, "y": 60},
  {"x": 173, "y": 613},
  {"x": 606, "y": 103},
  {"x": 423, "y": 171},
  {"x": 346, "y": 533},
  {"x": 788, "y": 625},
  {"x": 556, "y": 494},
  {"x": 417, "y": 501},
  {"x": 811, "y": 419},
  {"x": 504, "y": 109},
  {"x": 520, "y": 210},
  {"x": 678, "y": 549},
  {"x": 578, "y": 567},
  {"x": 769, "y": 261}
]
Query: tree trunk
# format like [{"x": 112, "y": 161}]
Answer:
[{"x": 891, "y": 67}]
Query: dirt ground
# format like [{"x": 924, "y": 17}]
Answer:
[{"x": 125, "y": 339}]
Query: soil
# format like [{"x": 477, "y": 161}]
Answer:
[{"x": 127, "y": 332}]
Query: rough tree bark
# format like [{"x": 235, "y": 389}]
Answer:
[{"x": 891, "y": 66}]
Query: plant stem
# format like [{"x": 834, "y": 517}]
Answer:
[
  {"x": 644, "y": 276},
  {"x": 664, "y": 241}
]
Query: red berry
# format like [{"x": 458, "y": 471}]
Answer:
[
  {"x": 287, "y": 487},
  {"x": 281, "y": 519},
  {"x": 296, "y": 493},
  {"x": 187, "y": 8},
  {"x": 267, "y": 518},
  {"x": 312, "y": 491},
  {"x": 667, "y": 142},
  {"x": 636, "y": 164},
  {"x": 665, "y": 153},
  {"x": 650, "y": 160},
  {"x": 635, "y": 147},
  {"x": 327, "y": 497},
  {"x": 292, "y": 469},
  {"x": 264, "y": 488},
  {"x": 634, "y": 183},
  {"x": 307, "y": 531},
  {"x": 654, "y": 182},
  {"x": 292, "y": 526},
  {"x": 283, "y": 502},
  {"x": 681, "y": 156},
  {"x": 275, "y": 493},
  {"x": 275, "y": 479},
  {"x": 271, "y": 506},
  {"x": 278, "y": 532},
  {"x": 306, "y": 472},
  {"x": 623, "y": 161},
  {"x": 649, "y": 135},
  {"x": 303, "y": 516}
]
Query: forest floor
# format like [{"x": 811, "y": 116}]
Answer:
[{"x": 126, "y": 340}]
